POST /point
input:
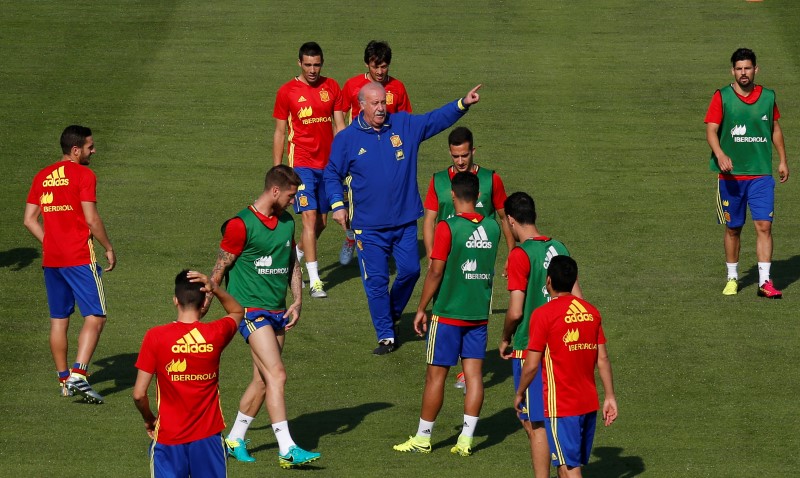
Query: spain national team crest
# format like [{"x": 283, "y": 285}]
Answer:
[
  {"x": 396, "y": 141},
  {"x": 727, "y": 216},
  {"x": 303, "y": 201},
  {"x": 324, "y": 96},
  {"x": 389, "y": 98}
]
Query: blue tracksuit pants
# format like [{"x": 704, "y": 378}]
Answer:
[{"x": 374, "y": 248}]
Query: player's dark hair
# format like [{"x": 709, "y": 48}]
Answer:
[
  {"x": 378, "y": 52},
  {"x": 743, "y": 54},
  {"x": 459, "y": 136},
  {"x": 310, "y": 49},
  {"x": 188, "y": 293},
  {"x": 563, "y": 273},
  {"x": 74, "y": 135},
  {"x": 521, "y": 207},
  {"x": 466, "y": 186},
  {"x": 282, "y": 176}
]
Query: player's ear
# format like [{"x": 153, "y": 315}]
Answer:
[{"x": 175, "y": 301}]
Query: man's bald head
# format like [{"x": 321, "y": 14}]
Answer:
[{"x": 372, "y": 98}]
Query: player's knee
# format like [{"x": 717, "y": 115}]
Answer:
[{"x": 96, "y": 321}]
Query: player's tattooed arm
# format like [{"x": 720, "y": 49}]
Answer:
[
  {"x": 224, "y": 262},
  {"x": 296, "y": 284}
]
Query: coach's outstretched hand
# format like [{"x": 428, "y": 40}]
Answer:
[{"x": 472, "y": 97}]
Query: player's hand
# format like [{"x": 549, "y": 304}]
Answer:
[
  {"x": 208, "y": 284},
  {"x": 505, "y": 269},
  {"x": 206, "y": 304},
  {"x": 150, "y": 428},
  {"x": 609, "y": 410},
  {"x": 505, "y": 349},
  {"x": 112, "y": 261},
  {"x": 293, "y": 314},
  {"x": 340, "y": 216},
  {"x": 725, "y": 164},
  {"x": 783, "y": 171},
  {"x": 421, "y": 323},
  {"x": 518, "y": 403},
  {"x": 472, "y": 97}
]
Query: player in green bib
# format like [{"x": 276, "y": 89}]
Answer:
[
  {"x": 459, "y": 281},
  {"x": 527, "y": 275},
  {"x": 257, "y": 253},
  {"x": 741, "y": 129}
]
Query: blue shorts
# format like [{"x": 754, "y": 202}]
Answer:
[
  {"x": 311, "y": 194},
  {"x": 571, "y": 438},
  {"x": 533, "y": 406},
  {"x": 203, "y": 458},
  {"x": 68, "y": 285},
  {"x": 254, "y": 319},
  {"x": 735, "y": 196},
  {"x": 446, "y": 343}
]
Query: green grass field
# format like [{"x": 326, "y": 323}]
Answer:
[{"x": 594, "y": 107}]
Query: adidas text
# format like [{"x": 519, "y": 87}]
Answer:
[{"x": 193, "y": 348}]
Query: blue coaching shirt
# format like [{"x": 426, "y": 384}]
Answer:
[{"x": 382, "y": 166}]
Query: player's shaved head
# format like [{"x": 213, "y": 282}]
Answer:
[
  {"x": 563, "y": 273},
  {"x": 188, "y": 293},
  {"x": 466, "y": 187}
]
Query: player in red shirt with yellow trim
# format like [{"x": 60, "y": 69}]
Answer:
[
  {"x": 184, "y": 357},
  {"x": 308, "y": 104},
  {"x": 63, "y": 194},
  {"x": 568, "y": 333}
]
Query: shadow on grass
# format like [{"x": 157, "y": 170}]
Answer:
[
  {"x": 612, "y": 464},
  {"x": 118, "y": 369},
  {"x": 784, "y": 272},
  {"x": 19, "y": 258},
  {"x": 336, "y": 274},
  {"x": 497, "y": 370},
  {"x": 495, "y": 428},
  {"x": 308, "y": 428}
]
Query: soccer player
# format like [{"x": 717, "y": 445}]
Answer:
[
  {"x": 377, "y": 58},
  {"x": 379, "y": 153},
  {"x": 257, "y": 253},
  {"x": 459, "y": 281},
  {"x": 527, "y": 274},
  {"x": 307, "y": 105},
  {"x": 741, "y": 128},
  {"x": 567, "y": 340},
  {"x": 63, "y": 194},
  {"x": 184, "y": 356},
  {"x": 439, "y": 206}
]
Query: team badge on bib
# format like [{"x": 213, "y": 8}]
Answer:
[
  {"x": 396, "y": 141},
  {"x": 324, "y": 96}
]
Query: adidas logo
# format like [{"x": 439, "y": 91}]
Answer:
[
  {"x": 739, "y": 130},
  {"x": 764, "y": 118},
  {"x": 192, "y": 343},
  {"x": 176, "y": 366},
  {"x": 277, "y": 430},
  {"x": 288, "y": 243},
  {"x": 302, "y": 99},
  {"x": 361, "y": 151},
  {"x": 466, "y": 425},
  {"x": 577, "y": 313},
  {"x": 479, "y": 240},
  {"x": 427, "y": 431},
  {"x": 56, "y": 178},
  {"x": 46, "y": 198},
  {"x": 304, "y": 112},
  {"x": 263, "y": 261},
  {"x": 549, "y": 255},
  {"x": 479, "y": 204},
  {"x": 571, "y": 336},
  {"x": 471, "y": 265}
]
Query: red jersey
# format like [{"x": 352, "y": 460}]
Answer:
[
  {"x": 184, "y": 357},
  {"x": 568, "y": 330},
  {"x": 308, "y": 111},
  {"x": 59, "y": 190},
  {"x": 396, "y": 96},
  {"x": 498, "y": 191}
]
